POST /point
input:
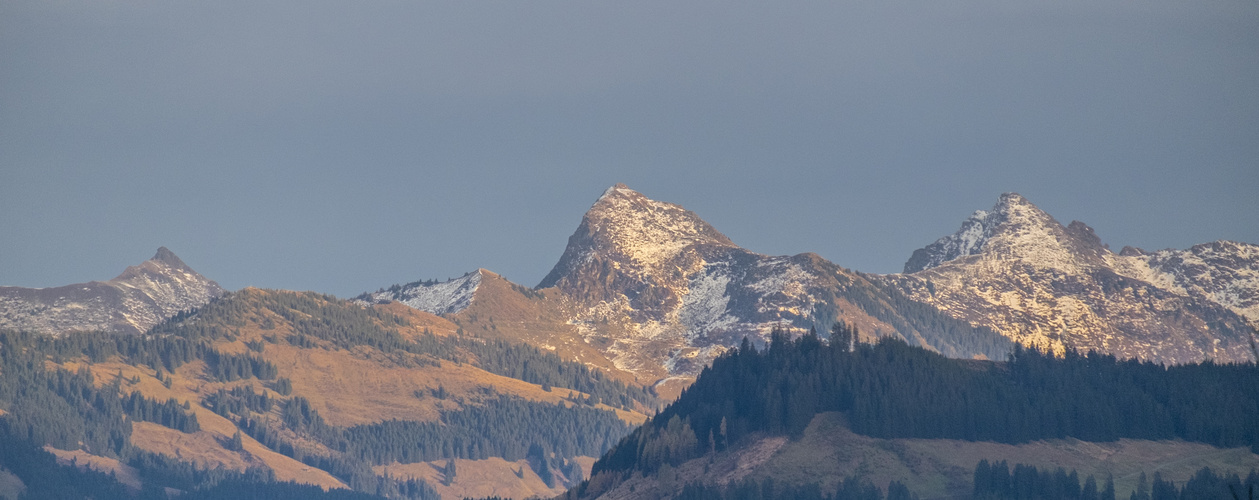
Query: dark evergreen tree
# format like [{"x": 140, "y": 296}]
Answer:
[{"x": 236, "y": 443}]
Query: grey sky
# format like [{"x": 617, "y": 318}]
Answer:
[{"x": 345, "y": 146}]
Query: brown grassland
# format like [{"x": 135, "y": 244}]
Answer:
[{"x": 347, "y": 387}]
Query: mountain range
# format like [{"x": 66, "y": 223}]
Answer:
[
  {"x": 651, "y": 290},
  {"x": 1019, "y": 271},
  {"x": 139, "y": 298},
  {"x": 310, "y": 388},
  {"x": 658, "y": 292}
]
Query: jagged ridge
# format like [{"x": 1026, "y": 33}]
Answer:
[
  {"x": 446, "y": 297},
  {"x": 134, "y": 301},
  {"x": 1019, "y": 271},
  {"x": 661, "y": 288}
]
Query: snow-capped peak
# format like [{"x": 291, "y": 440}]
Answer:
[
  {"x": 1014, "y": 229},
  {"x": 165, "y": 255},
  {"x": 976, "y": 230},
  {"x": 645, "y": 230},
  {"x": 142, "y": 296},
  {"x": 636, "y": 232}
]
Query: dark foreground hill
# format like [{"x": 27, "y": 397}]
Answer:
[{"x": 807, "y": 411}]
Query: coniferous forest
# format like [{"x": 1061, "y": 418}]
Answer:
[
  {"x": 994, "y": 481},
  {"x": 892, "y": 390}
]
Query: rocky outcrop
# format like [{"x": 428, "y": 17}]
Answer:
[
  {"x": 140, "y": 297},
  {"x": 437, "y": 297},
  {"x": 662, "y": 288},
  {"x": 1019, "y": 271},
  {"x": 657, "y": 292}
]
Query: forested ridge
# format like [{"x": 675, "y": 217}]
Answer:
[
  {"x": 999, "y": 481},
  {"x": 892, "y": 390},
  {"x": 994, "y": 481},
  {"x": 550, "y": 436},
  {"x": 67, "y": 410},
  {"x": 73, "y": 410}
]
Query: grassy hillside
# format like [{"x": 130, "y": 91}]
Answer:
[{"x": 283, "y": 386}]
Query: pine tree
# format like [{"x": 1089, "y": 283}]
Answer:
[
  {"x": 448, "y": 473},
  {"x": 842, "y": 336},
  {"x": 1090, "y": 489},
  {"x": 236, "y": 443},
  {"x": 1143, "y": 488}
]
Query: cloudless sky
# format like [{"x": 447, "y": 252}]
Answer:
[{"x": 345, "y": 146}]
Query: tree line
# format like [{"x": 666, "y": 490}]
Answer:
[
  {"x": 892, "y": 390},
  {"x": 67, "y": 410},
  {"x": 549, "y": 436},
  {"x": 506, "y": 427},
  {"x": 996, "y": 481},
  {"x": 851, "y": 488},
  {"x": 316, "y": 317}
]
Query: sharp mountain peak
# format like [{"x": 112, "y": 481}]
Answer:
[
  {"x": 635, "y": 232},
  {"x": 1013, "y": 228},
  {"x": 1019, "y": 271},
  {"x": 165, "y": 255},
  {"x": 618, "y": 189},
  {"x": 142, "y": 296}
]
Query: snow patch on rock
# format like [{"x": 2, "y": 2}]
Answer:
[
  {"x": 446, "y": 297},
  {"x": 704, "y": 307},
  {"x": 1226, "y": 272},
  {"x": 645, "y": 231}
]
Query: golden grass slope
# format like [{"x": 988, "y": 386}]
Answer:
[
  {"x": 205, "y": 447},
  {"x": 347, "y": 387}
]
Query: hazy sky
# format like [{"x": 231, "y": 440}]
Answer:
[{"x": 345, "y": 146}]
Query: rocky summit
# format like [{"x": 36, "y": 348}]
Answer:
[
  {"x": 657, "y": 292},
  {"x": 142, "y": 296},
  {"x": 1017, "y": 270}
]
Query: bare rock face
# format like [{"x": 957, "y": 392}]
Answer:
[
  {"x": 1225, "y": 272},
  {"x": 139, "y": 298},
  {"x": 659, "y": 293},
  {"x": 633, "y": 247},
  {"x": 659, "y": 287},
  {"x": 1019, "y": 271}
]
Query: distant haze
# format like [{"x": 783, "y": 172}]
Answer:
[{"x": 345, "y": 146}]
